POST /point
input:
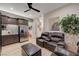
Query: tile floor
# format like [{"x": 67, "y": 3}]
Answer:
[{"x": 15, "y": 49}]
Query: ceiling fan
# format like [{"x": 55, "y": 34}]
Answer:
[{"x": 31, "y": 8}]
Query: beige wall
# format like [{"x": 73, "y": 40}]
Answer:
[
  {"x": 37, "y": 26},
  {"x": 60, "y": 12},
  {"x": 51, "y": 22},
  {"x": 68, "y": 9}
]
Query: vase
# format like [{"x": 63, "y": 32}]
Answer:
[{"x": 71, "y": 42}]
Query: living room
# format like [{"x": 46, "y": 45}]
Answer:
[{"x": 42, "y": 30}]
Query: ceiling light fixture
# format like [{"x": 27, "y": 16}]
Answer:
[{"x": 11, "y": 8}]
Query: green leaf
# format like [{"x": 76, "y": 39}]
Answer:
[{"x": 70, "y": 24}]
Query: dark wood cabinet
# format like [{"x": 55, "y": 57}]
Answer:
[
  {"x": 0, "y": 34},
  {"x": 11, "y": 21},
  {"x": 7, "y": 20},
  {"x": 23, "y": 22},
  {"x": 4, "y": 20},
  {"x": 9, "y": 39}
]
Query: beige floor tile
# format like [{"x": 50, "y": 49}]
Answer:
[{"x": 15, "y": 49}]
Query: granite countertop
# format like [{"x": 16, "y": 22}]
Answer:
[{"x": 8, "y": 33}]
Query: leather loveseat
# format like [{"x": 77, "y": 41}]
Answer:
[{"x": 50, "y": 40}]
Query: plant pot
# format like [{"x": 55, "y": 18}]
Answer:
[{"x": 71, "y": 41}]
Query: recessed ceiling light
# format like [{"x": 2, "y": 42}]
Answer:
[{"x": 11, "y": 8}]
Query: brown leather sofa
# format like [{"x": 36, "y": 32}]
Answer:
[{"x": 50, "y": 40}]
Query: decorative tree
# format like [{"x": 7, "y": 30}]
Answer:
[{"x": 70, "y": 24}]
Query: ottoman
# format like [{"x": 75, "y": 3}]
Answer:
[{"x": 30, "y": 50}]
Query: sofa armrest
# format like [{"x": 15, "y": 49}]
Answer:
[{"x": 61, "y": 44}]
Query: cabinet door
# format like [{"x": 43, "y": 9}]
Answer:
[
  {"x": 11, "y": 21},
  {"x": 0, "y": 34},
  {"x": 4, "y": 20},
  {"x": 7, "y": 20},
  {"x": 23, "y": 22},
  {"x": 9, "y": 39}
]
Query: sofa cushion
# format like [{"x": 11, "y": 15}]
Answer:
[
  {"x": 40, "y": 42},
  {"x": 61, "y": 43},
  {"x": 46, "y": 38},
  {"x": 50, "y": 46},
  {"x": 55, "y": 39},
  {"x": 45, "y": 34},
  {"x": 63, "y": 52},
  {"x": 57, "y": 34}
]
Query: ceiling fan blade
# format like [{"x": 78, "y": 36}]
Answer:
[
  {"x": 29, "y": 5},
  {"x": 27, "y": 10},
  {"x": 35, "y": 9}
]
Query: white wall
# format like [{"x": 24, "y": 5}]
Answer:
[
  {"x": 70, "y": 40},
  {"x": 37, "y": 25}
]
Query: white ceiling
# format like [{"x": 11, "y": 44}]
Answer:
[{"x": 19, "y": 8}]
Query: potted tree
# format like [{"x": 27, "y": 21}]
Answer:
[{"x": 70, "y": 26}]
